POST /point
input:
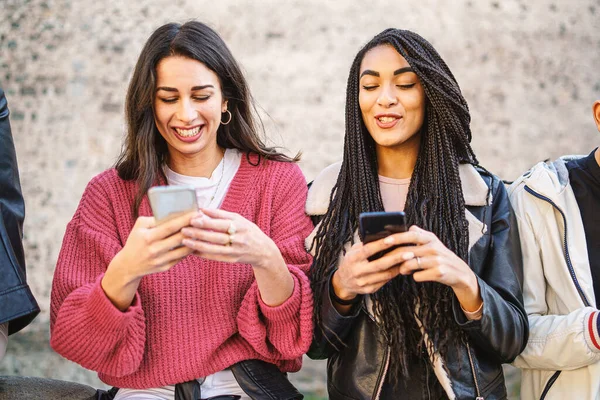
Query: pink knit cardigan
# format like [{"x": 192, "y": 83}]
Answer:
[{"x": 200, "y": 316}]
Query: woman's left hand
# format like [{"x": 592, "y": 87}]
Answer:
[
  {"x": 226, "y": 236},
  {"x": 429, "y": 260}
]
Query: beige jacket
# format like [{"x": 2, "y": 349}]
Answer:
[{"x": 562, "y": 357}]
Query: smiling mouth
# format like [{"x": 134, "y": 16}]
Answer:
[
  {"x": 188, "y": 132},
  {"x": 387, "y": 120}
]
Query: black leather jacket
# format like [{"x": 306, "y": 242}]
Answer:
[
  {"x": 17, "y": 304},
  {"x": 358, "y": 370}
]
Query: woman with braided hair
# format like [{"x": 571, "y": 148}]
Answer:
[{"x": 435, "y": 317}]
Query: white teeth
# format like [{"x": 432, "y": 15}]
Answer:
[
  {"x": 188, "y": 132},
  {"x": 386, "y": 119}
]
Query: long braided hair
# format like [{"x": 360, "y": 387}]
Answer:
[{"x": 434, "y": 202}]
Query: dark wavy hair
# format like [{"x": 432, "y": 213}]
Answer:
[
  {"x": 434, "y": 202},
  {"x": 144, "y": 150}
]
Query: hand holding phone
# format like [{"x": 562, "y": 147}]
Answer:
[
  {"x": 378, "y": 225},
  {"x": 170, "y": 201}
]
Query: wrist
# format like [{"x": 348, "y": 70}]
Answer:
[
  {"x": 272, "y": 260},
  {"x": 468, "y": 294},
  {"x": 117, "y": 273},
  {"x": 338, "y": 291}
]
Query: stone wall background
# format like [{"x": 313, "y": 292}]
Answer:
[{"x": 529, "y": 70}]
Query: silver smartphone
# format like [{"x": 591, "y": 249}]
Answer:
[{"x": 170, "y": 201}]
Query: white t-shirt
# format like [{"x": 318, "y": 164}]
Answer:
[
  {"x": 210, "y": 193},
  {"x": 219, "y": 383}
]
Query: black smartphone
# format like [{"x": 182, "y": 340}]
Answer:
[{"x": 377, "y": 225}]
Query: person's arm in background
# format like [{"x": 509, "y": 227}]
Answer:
[
  {"x": 17, "y": 304},
  {"x": 556, "y": 342}
]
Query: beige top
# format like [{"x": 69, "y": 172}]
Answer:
[{"x": 393, "y": 192}]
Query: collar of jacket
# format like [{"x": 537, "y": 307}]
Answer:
[
  {"x": 475, "y": 191},
  {"x": 548, "y": 179}
]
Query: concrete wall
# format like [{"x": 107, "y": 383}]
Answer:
[{"x": 529, "y": 70}]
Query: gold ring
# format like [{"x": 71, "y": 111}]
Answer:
[
  {"x": 231, "y": 237},
  {"x": 419, "y": 262},
  {"x": 231, "y": 230}
]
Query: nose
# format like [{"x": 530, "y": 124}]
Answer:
[
  {"x": 186, "y": 111},
  {"x": 387, "y": 97}
]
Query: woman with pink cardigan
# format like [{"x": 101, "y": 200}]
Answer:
[{"x": 203, "y": 305}]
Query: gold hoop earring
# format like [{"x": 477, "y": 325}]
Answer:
[{"x": 230, "y": 117}]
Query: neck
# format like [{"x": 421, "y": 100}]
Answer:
[
  {"x": 597, "y": 156},
  {"x": 200, "y": 164},
  {"x": 398, "y": 162}
]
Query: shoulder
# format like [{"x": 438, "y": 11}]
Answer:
[
  {"x": 280, "y": 181},
  {"x": 272, "y": 173},
  {"x": 107, "y": 191},
  {"x": 544, "y": 177},
  {"x": 283, "y": 169},
  {"x": 319, "y": 193},
  {"x": 107, "y": 182}
]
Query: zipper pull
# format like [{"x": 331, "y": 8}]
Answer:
[{"x": 479, "y": 398}]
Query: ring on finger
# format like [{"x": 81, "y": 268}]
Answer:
[
  {"x": 231, "y": 230},
  {"x": 231, "y": 237},
  {"x": 419, "y": 263}
]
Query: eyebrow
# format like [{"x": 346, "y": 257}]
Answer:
[
  {"x": 170, "y": 89},
  {"x": 375, "y": 73}
]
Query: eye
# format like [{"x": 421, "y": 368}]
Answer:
[
  {"x": 201, "y": 98},
  {"x": 369, "y": 87},
  {"x": 408, "y": 86},
  {"x": 169, "y": 100}
]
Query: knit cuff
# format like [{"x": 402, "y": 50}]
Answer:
[
  {"x": 593, "y": 330},
  {"x": 285, "y": 311},
  {"x": 106, "y": 314}
]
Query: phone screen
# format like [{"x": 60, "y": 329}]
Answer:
[
  {"x": 378, "y": 225},
  {"x": 169, "y": 201}
]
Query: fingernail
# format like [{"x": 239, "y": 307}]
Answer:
[
  {"x": 187, "y": 242},
  {"x": 388, "y": 240},
  {"x": 186, "y": 231},
  {"x": 408, "y": 256}
]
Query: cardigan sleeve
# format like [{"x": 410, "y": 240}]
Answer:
[
  {"x": 284, "y": 332},
  {"x": 85, "y": 326}
]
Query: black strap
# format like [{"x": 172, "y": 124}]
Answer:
[
  {"x": 263, "y": 380},
  {"x": 188, "y": 390}
]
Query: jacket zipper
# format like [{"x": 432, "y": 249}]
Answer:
[
  {"x": 479, "y": 396},
  {"x": 551, "y": 381},
  {"x": 382, "y": 374},
  {"x": 565, "y": 247},
  {"x": 385, "y": 366},
  {"x": 554, "y": 377}
]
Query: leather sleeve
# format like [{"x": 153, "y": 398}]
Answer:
[
  {"x": 336, "y": 327},
  {"x": 503, "y": 330},
  {"x": 17, "y": 304}
]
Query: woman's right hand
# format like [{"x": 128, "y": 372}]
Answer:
[
  {"x": 357, "y": 275},
  {"x": 149, "y": 249}
]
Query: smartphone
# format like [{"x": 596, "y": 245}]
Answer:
[
  {"x": 378, "y": 225},
  {"x": 170, "y": 201}
]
